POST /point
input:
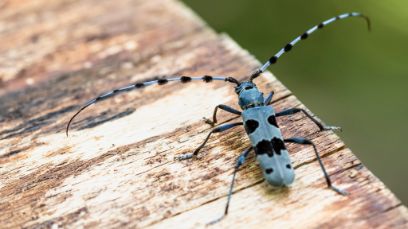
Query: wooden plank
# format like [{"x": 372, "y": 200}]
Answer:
[{"x": 117, "y": 168}]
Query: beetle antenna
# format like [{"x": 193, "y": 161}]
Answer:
[
  {"x": 305, "y": 35},
  {"x": 160, "y": 81}
]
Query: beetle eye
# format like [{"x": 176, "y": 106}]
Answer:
[{"x": 248, "y": 87}]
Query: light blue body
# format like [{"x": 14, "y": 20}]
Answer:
[
  {"x": 265, "y": 136},
  {"x": 281, "y": 175}
]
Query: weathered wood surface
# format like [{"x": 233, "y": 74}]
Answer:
[{"x": 117, "y": 167}]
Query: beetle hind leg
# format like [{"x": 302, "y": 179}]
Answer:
[
  {"x": 304, "y": 141},
  {"x": 240, "y": 161}
]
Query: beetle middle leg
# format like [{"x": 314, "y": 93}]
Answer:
[
  {"x": 304, "y": 141},
  {"x": 321, "y": 126},
  {"x": 222, "y": 107},
  {"x": 219, "y": 128},
  {"x": 240, "y": 161}
]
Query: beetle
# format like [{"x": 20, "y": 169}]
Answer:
[{"x": 258, "y": 119}]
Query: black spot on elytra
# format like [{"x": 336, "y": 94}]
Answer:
[
  {"x": 273, "y": 59},
  {"x": 321, "y": 25},
  {"x": 269, "y": 170},
  {"x": 288, "y": 47},
  {"x": 251, "y": 125},
  {"x": 185, "y": 79},
  {"x": 264, "y": 147},
  {"x": 162, "y": 81},
  {"x": 272, "y": 121},
  {"x": 288, "y": 166},
  {"x": 304, "y": 36},
  {"x": 207, "y": 79},
  {"x": 278, "y": 145},
  {"x": 139, "y": 85}
]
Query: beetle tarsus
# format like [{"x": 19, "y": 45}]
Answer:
[
  {"x": 184, "y": 157},
  {"x": 339, "y": 191}
]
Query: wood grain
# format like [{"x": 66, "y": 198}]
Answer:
[{"x": 117, "y": 168}]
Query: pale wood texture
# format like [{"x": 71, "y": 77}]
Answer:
[{"x": 117, "y": 167}]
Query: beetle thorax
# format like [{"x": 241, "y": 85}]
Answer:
[{"x": 249, "y": 95}]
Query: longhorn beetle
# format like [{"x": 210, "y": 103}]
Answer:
[{"x": 259, "y": 120}]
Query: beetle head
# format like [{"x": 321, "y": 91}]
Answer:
[{"x": 249, "y": 95}]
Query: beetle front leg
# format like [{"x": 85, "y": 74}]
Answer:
[{"x": 222, "y": 107}]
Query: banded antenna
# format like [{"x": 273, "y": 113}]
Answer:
[
  {"x": 161, "y": 81},
  {"x": 305, "y": 35}
]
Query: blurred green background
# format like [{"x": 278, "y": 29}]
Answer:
[{"x": 344, "y": 74}]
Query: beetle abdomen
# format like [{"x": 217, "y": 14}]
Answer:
[
  {"x": 276, "y": 165},
  {"x": 266, "y": 138}
]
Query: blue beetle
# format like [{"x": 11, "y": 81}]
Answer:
[{"x": 259, "y": 119}]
